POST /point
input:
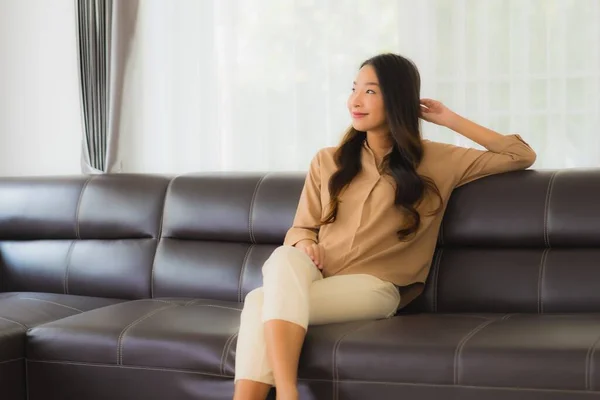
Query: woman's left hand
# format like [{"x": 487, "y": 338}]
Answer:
[{"x": 436, "y": 112}]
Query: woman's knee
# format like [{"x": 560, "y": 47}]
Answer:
[
  {"x": 287, "y": 257},
  {"x": 253, "y": 301},
  {"x": 391, "y": 299}
]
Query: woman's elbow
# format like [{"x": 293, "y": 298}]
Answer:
[{"x": 528, "y": 159}]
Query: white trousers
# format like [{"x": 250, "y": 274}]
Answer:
[{"x": 294, "y": 290}]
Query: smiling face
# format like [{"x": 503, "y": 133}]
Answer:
[{"x": 366, "y": 102}]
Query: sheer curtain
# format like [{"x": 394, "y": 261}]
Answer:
[{"x": 261, "y": 85}]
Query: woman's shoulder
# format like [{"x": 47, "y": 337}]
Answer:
[
  {"x": 324, "y": 161},
  {"x": 325, "y": 155},
  {"x": 437, "y": 152},
  {"x": 327, "y": 151},
  {"x": 437, "y": 159},
  {"x": 433, "y": 147}
]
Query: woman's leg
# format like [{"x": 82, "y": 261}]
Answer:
[
  {"x": 336, "y": 299},
  {"x": 253, "y": 374},
  {"x": 284, "y": 342},
  {"x": 356, "y": 297},
  {"x": 246, "y": 389},
  {"x": 341, "y": 298},
  {"x": 287, "y": 278}
]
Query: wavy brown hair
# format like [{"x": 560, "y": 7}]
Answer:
[{"x": 400, "y": 85}]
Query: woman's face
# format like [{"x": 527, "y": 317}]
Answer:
[{"x": 366, "y": 102}]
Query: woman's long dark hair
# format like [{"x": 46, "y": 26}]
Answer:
[{"x": 400, "y": 85}]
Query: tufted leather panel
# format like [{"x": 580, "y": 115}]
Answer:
[
  {"x": 504, "y": 210},
  {"x": 39, "y": 208},
  {"x": 274, "y": 207},
  {"x": 215, "y": 207},
  {"x": 121, "y": 207},
  {"x": 202, "y": 269},
  {"x": 573, "y": 209},
  {"x": 34, "y": 265},
  {"x": 526, "y": 209}
]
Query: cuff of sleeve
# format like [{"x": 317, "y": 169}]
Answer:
[{"x": 294, "y": 235}]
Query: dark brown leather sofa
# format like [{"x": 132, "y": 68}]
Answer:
[{"x": 130, "y": 287}]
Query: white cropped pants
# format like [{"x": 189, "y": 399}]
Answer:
[{"x": 294, "y": 290}]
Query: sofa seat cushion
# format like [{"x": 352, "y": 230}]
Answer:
[
  {"x": 528, "y": 351},
  {"x": 20, "y": 311},
  {"x": 166, "y": 335},
  {"x": 179, "y": 334}
]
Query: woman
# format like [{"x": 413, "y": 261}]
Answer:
[{"x": 367, "y": 222}]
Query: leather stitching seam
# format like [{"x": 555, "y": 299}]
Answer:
[
  {"x": 589, "y": 365},
  {"x": 251, "y": 211},
  {"x": 338, "y": 342},
  {"x": 226, "y": 348},
  {"x": 541, "y": 280},
  {"x": 131, "y": 325},
  {"x": 51, "y": 302},
  {"x": 460, "y": 347},
  {"x": 159, "y": 236},
  {"x": 15, "y": 322},
  {"x": 243, "y": 269},
  {"x": 547, "y": 208}
]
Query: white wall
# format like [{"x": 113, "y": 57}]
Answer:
[{"x": 40, "y": 122}]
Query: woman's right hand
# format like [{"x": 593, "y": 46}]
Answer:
[{"x": 314, "y": 250}]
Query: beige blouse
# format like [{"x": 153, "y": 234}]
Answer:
[{"x": 363, "y": 238}]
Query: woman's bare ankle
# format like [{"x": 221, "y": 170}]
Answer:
[
  {"x": 287, "y": 392},
  {"x": 248, "y": 389}
]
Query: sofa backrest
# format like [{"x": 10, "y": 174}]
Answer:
[
  {"x": 526, "y": 241},
  {"x": 142, "y": 236},
  {"x": 520, "y": 242},
  {"x": 93, "y": 236},
  {"x": 218, "y": 230}
]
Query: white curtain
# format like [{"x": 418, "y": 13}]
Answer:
[
  {"x": 261, "y": 85},
  {"x": 40, "y": 119}
]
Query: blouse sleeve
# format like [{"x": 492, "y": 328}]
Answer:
[
  {"x": 508, "y": 153},
  {"x": 308, "y": 214}
]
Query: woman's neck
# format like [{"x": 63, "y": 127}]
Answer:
[{"x": 380, "y": 143}]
